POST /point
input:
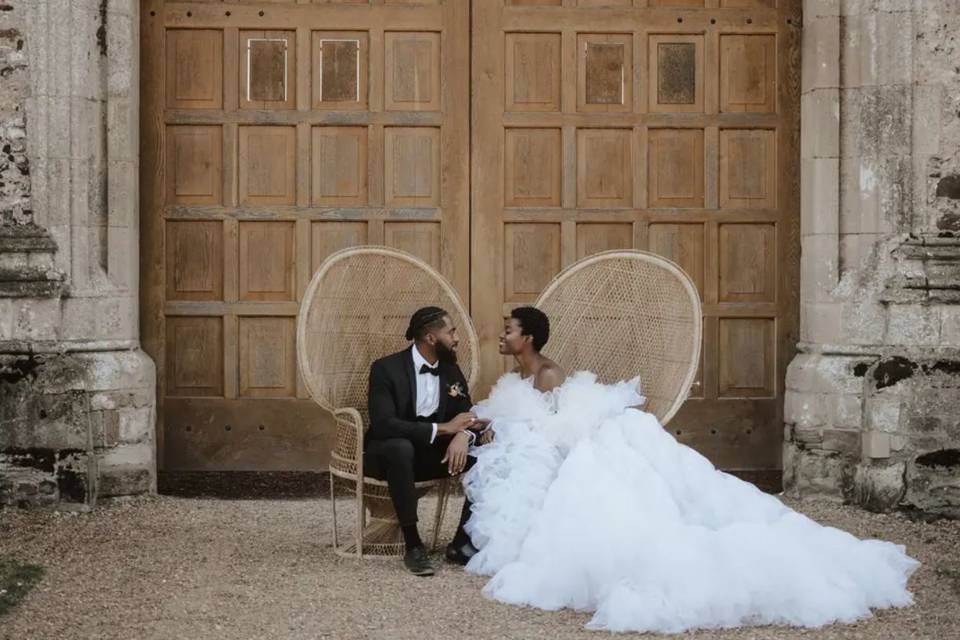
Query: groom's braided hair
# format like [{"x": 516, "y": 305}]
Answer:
[
  {"x": 423, "y": 321},
  {"x": 533, "y": 322}
]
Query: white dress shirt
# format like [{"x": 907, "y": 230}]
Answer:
[{"x": 428, "y": 391}]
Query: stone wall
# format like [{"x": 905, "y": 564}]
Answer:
[
  {"x": 15, "y": 205},
  {"x": 77, "y": 399},
  {"x": 872, "y": 398}
]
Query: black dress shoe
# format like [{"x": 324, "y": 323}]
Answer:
[
  {"x": 460, "y": 554},
  {"x": 417, "y": 562}
]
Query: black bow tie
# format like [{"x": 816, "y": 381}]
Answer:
[{"x": 424, "y": 368}]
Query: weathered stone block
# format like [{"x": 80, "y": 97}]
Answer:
[
  {"x": 859, "y": 37},
  {"x": 136, "y": 425},
  {"x": 122, "y": 481},
  {"x": 819, "y": 272},
  {"x": 875, "y": 445},
  {"x": 820, "y": 117},
  {"x": 821, "y": 322},
  {"x": 99, "y": 318},
  {"x": 913, "y": 325},
  {"x": 894, "y": 49},
  {"x": 879, "y": 487},
  {"x": 819, "y": 196},
  {"x": 127, "y": 455},
  {"x": 844, "y": 411},
  {"x": 816, "y": 473},
  {"x": 882, "y": 413},
  {"x": 842, "y": 441},
  {"x": 803, "y": 410},
  {"x": 821, "y": 42},
  {"x": 813, "y": 9},
  {"x": 119, "y": 371}
]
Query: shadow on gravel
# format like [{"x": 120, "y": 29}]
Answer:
[
  {"x": 244, "y": 485},
  {"x": 16, "y": 580},
  {"x": 292, "y": 485}
]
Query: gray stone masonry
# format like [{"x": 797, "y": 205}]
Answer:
[
  {"x": 873, "y": 398},
  {"x": 77, "y": 395}
]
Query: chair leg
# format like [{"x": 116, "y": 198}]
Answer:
[
  {"x": 442, "y": 492},
  {"x": 360, "y": 519},
  {"x": 333, "y": 507}
]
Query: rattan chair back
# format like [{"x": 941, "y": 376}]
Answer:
[
  {"x": 622, "y": 314},
  {"x": 356, "y": 310}
]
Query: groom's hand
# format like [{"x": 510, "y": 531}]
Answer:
[
  {"x": 456, "y": 457},
  {"x": 462, "y": 421}
]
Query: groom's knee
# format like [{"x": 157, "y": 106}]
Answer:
[{"x": 397, "y": 451}]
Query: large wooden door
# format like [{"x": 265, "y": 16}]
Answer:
[
  {"x": 666, "y": 125},
  {"x": 274, "y": 133}
]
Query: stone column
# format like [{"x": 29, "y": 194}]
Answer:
[
  {"x": 77, "y": 395},
  {"x": 871, "y": 397}
]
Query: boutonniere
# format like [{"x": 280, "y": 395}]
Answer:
[{"x": 455, "y": 390}]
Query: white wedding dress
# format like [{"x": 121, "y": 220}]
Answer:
[{"x": 584, "y": 503}]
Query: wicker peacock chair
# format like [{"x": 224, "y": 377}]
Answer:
[
  {"x": 626, "y": 313},
  {"x": 356, "y": 310}
]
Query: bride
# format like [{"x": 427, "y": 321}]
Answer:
[{"x": 582, "y": 500}]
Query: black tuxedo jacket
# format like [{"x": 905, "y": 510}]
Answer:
[{"x": 392, "y": 400}]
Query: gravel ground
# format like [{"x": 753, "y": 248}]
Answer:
[{"x": 175, "y": 567}]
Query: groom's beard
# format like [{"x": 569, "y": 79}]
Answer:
[{"x": 445, "y": 354}]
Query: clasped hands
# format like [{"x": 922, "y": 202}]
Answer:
[{"x": 456, "y": 456}]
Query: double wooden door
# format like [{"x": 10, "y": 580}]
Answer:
[{"x": 499, "y": 140}]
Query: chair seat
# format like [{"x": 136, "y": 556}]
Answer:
[{"x": 374, "y": 482}]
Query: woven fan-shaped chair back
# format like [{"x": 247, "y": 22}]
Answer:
[
  {"x": 622, "y": 314},
  {"x": 356, "y": 310}
]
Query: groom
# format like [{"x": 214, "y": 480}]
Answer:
[{"x": 421, "y": 427}]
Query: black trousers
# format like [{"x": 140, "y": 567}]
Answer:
[{"x": 401, "y": 464}]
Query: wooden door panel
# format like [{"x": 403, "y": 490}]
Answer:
[
  {"x": 532, "y": 71},
  {"x": 194, "y": 257},
  {"x": 194, "y": 164},
  {"x": 268, "y": 165},
  {"x": 268, "y": 365},
  {"x": 326, "y": 238},
  {"x": 412, "y": 166},
  {"x": 266, "y": 260},
  {"x": 748, "y": 73},
  {"x": 604, "y": 168},
  {"x": 604, "y": 72},
  {"x": 340, "y": 69},
  {"x": 624, "y": 124},
  {"x": 195, "y": 351},
  {"x": 412, "y": 71},
  {"x": 533, "y": 167},
  {"x": 268, "y": 70},
  {"x": 676, "y": 73},
  {"x": 275, "y": 133},
  {"x": 194, "y": 69},
  {"x": 532, "y": 256},
  {"x": 339, "y": 165},
  {"x": 675, "y": 161}
]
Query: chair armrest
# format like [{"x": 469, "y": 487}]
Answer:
[{"x": 347, "y": 455}]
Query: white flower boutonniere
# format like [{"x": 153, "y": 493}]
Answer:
[{"x": 455, "y": 390}]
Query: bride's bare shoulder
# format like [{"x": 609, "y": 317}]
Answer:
[{"x": 549, "y": 377}]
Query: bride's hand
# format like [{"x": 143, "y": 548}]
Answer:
[
  {"x": 487, "y": 436},
  {"x": 460, "y": 422}
]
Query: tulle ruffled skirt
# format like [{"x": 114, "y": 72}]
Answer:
[{"x": 583, "y": 503}]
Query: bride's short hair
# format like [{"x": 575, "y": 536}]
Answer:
[{"x": 533, "y": 322}]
